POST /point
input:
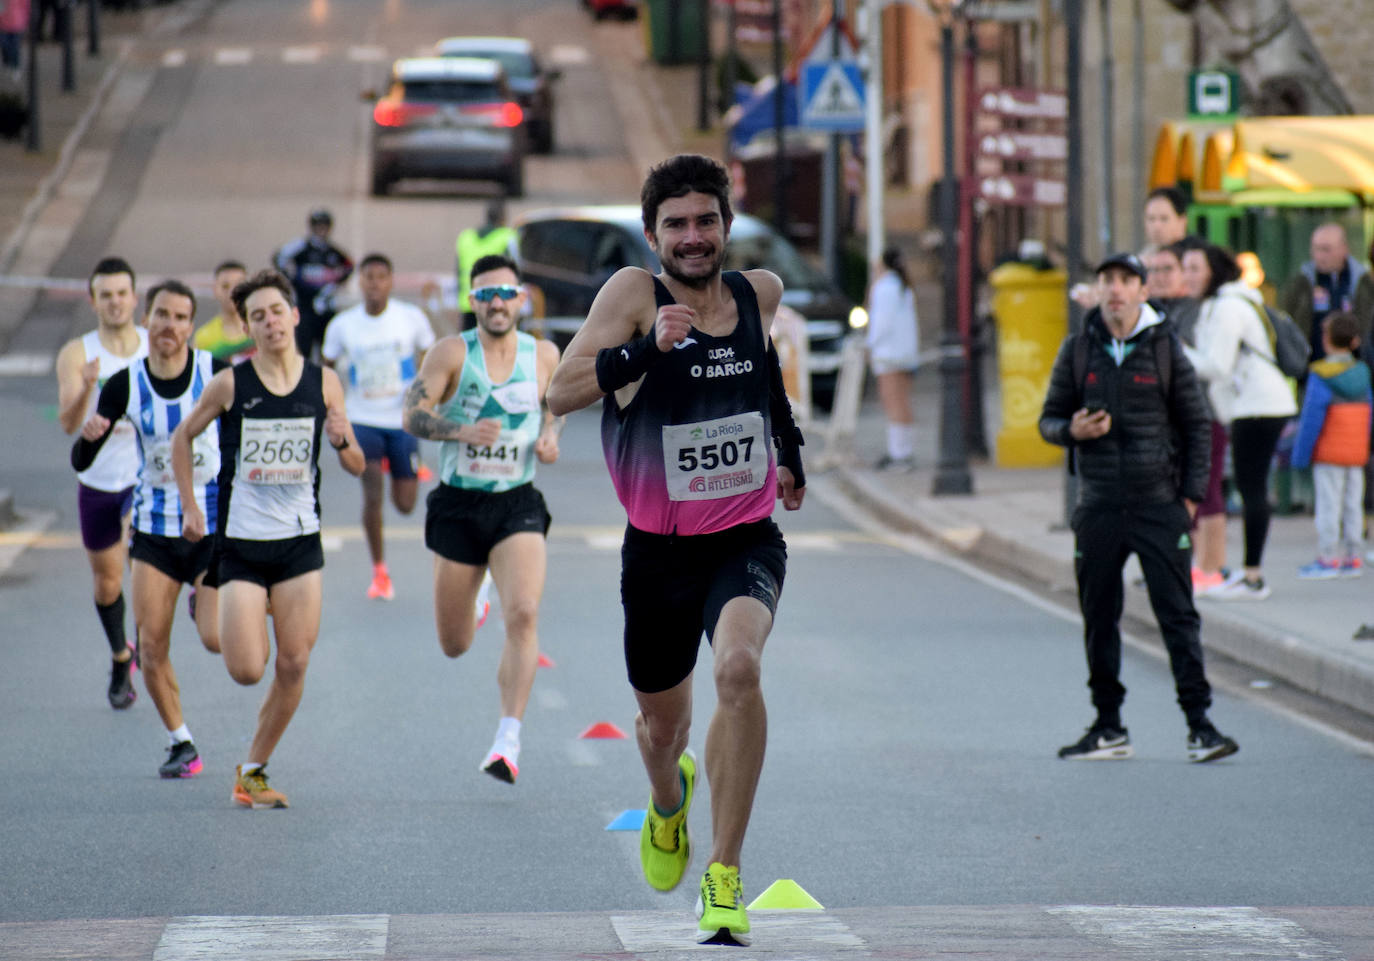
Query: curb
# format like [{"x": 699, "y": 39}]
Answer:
[{"x": 1280, "y": 654}]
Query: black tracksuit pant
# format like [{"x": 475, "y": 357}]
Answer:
[{"x": 1158, "y": 534}]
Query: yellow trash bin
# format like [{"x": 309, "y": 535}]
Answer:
[{"x": 1031, "y": 310}]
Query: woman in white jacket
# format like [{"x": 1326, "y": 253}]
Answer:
[
  {"x": 1248, "y": 392},
  {"x": 892, "y": 343}
]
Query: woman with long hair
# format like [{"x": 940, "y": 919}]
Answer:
[
  {"x": 1248, "y": 394},
  {"x": 892, "y": 341}
]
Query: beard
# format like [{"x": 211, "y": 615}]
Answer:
[
  {"x": 696, "y": 283},
  {"x": 484, "y": 322}
]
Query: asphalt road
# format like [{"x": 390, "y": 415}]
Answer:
[{"x": 915, "y": 706}]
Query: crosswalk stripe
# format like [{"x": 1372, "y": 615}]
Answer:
[
  {"x": 174, "y": 58},
  {"x": 367, "y": 54},
  {"x": 273, "y": 938},
  {"x": 310, "y": 54},
  {"x": 25, "y": 365},
  {"x": 233, "y": 56},
  {"x": 568, "y": 55},
  {"x": 1196, "y": 934}
]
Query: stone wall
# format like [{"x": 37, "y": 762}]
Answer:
[{"x": 1344, "y": 33}]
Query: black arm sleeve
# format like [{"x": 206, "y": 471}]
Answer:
[
  {"x": 113, "y": 401},
  {"x": 787, "y": 436},
  {"x": 618, "y": 366},
  {"x": 218, "y": 364}
]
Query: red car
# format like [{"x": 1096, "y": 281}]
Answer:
[{"x": 621, "y": 9}]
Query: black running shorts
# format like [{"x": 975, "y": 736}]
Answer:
[
  {"x": 674, "y": 588},
  {"x": 464, "y": 525},
  {"x": 176, "y": 557},
  {"x": 269, "y": 562}
]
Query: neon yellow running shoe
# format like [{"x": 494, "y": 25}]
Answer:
[
  {"x": 665, "y": 847},
  {"x": 720, "y": 907}
]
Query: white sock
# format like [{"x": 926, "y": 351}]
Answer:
[
  {"x": 249, "y": 767},
  {"x": 182, "y": 733},
  {"x": 483, "y": 593},
  {"x": 508, "y": 730},
  {"x": 901, "y": 441}
]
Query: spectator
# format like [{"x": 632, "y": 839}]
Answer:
[
  {"x": 492, "y": 238},
  {"x": 892, "y": 352},
  {"x": 316, "y": 269},
  {"x": 1325, "y": 283},
  {"x": 1333, "y": 437},
  {"x": 1247, "y": 391},
  {"x": 1119, "y": 392},
  {"x": 14, "y": 23},
  {"x": 1166, "y": 217}
]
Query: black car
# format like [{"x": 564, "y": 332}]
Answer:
[
  {"x": 567, "y": 253},
  {"x": 531, "y": 82}
]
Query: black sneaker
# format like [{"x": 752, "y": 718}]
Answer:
[
  {"x": 182, "y": 761},
  {"x": 121, "y": 693},
  {"x": 1100, "y": 744},
  {"x": 1206, "y": 743}
]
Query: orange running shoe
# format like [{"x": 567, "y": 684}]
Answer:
[
  {"x": 381, "y": 584},
  {"x": 251, "y": 790}
]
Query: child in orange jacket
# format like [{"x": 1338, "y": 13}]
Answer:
[{"x": 1333, "y": 437}]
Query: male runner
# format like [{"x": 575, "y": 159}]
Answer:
[
  {"x": 383, "y": 341},
  {"x": 154, "y": 395},
  {"x": 481, "y": 394},
  {"x": 693, "y": 403},
  {"x": 226, "y": 334},
  {"x": 105, "y": 489},
  {"x": 272, "y": 409}
]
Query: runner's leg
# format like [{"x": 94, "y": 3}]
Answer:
[
  {"x": 296, "y": 622},
  {"x": 155, "y": 598},
  {"x": 518, "y": 565},
  {"x": 662, "y": 729},
  {"x": 455, "y": 592},
  {"x": 738, "y": 733}
]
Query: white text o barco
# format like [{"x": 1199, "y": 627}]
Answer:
[{"x": 722, "y": 370}]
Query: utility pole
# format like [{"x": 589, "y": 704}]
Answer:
[
  {"x": 873, "y": 130},
  {"x": 1073, "y": 256},
  {"x": 830, "y": 173},
  {"x": 1105, "y": 232},
  {"x": 952, "y": 475},
  {"x": 779, "y": 117}
]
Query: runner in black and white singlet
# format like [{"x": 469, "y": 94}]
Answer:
[
  {"x": 481, "y": 394},
  {"x": 273, "y": 410},
  {"x": 105, "y": 489},
  {"x": 692, "y": 407},
  {"x": 154, "y": 396}
]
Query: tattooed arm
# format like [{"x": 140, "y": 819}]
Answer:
[{"x": 433, "y": 386}]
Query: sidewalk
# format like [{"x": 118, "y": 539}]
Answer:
[{"x": 1014, "y": 520}]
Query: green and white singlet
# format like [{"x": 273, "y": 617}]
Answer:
[{"x": 509, "y": 462}]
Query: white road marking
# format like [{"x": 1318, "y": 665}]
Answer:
[
  {"x": 568, "y": 55},
  {"x": 550, "y": 698},
  {"x": 26, "y": 365},
  {"x": 784, "y": 932},
  {"x": 273, "y": 938},
  {"x": 367, "y": 54},
  {"x": 331, "y": 544},
  {"x": 604, "y": 542},
  {"x": 233, "y": 56},
  {"x": 308, "y": 54},
  {"x": 581, "y": 754},
  {"x": 1195, "y": 934},
  {"x": 174, "y": 58}
]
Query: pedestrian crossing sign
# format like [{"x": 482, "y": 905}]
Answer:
[{"x": 832, "y": 96}]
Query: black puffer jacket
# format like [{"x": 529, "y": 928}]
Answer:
[{"x": 1158, "y": 449}]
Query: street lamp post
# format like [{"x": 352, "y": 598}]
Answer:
[{"x": 952, "y": 474}]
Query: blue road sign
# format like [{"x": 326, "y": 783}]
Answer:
[{"x": 832, "y": 96}]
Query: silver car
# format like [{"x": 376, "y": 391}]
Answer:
[{"x": 448, "y": 118}]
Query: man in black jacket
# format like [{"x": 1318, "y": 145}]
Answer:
[{"x": 1127, "y": 403}]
